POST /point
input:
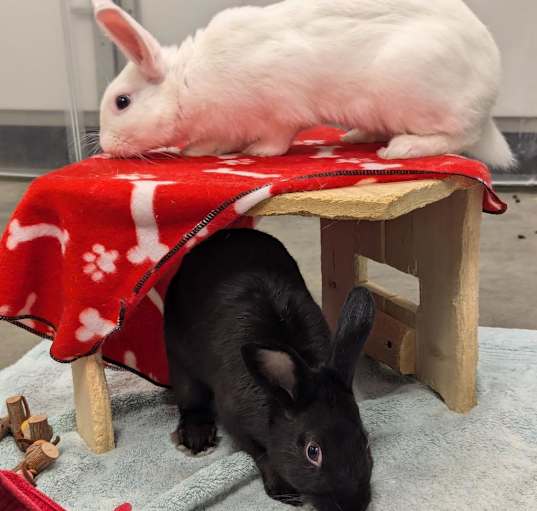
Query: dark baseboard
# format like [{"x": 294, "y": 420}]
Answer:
[
  {"x": 33, "y": 147},
  {"x": 524, "y": 146}
]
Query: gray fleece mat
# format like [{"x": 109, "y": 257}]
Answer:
[{"x": 426, "y": 458}]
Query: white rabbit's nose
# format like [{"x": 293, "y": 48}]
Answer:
[
  {"x": 112, "y": 145},
  {"x": 106, "y": 143}
]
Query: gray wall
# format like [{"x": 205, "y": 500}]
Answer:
[
  {"x": 33, "y": 55},
  {"x": 514, "y": 25}
]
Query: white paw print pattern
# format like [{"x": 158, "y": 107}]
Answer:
[
  {"x": 234, "y": 159},
  {"x": 100, "y": 261}
]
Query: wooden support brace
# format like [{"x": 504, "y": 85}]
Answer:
[
  {"x": 393, "y": 338},
  {"x": 397, "y": 307},
  {"x": 92, "y": 403},
  {"x": 392, "y": 343},
  {"x": 447, "y": 251}
]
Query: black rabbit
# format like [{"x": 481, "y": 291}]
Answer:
[{"x": 247, "y": 344}]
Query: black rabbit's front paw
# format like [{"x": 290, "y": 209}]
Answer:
[
  {"x": 278, "y": 489},
  {"x": 196, "y": 436}
]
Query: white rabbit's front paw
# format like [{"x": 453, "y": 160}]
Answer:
[
  {"x": 416, "y": 146},
  {"x": 268, "y": 148}
]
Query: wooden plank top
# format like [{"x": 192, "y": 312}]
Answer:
[{"x": 376, "y": 201}]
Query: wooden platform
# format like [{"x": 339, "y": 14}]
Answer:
[{"x": 365, "y": 202}]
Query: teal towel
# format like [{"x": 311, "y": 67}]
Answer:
[{"x": 426, "y": 457}]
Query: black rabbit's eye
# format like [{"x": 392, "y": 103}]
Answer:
[
  {"x": 123, "y": 102},
  {"x": 314, "y": 454}
]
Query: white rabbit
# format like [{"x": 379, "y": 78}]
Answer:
[{"x": 422, "y": 75}]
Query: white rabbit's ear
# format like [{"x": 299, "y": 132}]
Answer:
[{"x": 136, "y": 43}]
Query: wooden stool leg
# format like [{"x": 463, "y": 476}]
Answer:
[
  {"x": 337, "y": 265},
  {"x": 447, "y": 251},
  {"x": 92, "y": 403}
]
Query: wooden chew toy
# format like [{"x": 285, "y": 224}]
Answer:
[
  {"x": 4, "y": 427},
  {"x": 24, "y": 427},
  {"x": 33, "y": 436},
  {"x": 39, "y": 428},
  {"x": 38, "y": 456},
  {"x": 18, "y": 412}
]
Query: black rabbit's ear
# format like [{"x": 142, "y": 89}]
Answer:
[
  {"x": 354, "y": 325},
  {"x": 279, "y": 370}
]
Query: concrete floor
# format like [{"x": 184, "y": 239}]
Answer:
[{"x": 508, "y": 264}]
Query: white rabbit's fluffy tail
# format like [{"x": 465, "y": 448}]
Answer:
[{"x": 492, "y": 148}]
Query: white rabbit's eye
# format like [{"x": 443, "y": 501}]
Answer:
[
  {"x": 314, "y": 454},
  {"x": 123, "y": 102}
]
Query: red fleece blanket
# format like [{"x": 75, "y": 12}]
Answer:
[
  {"x": 17, "y": 494},
  {"x": 90, "y": 249}
]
